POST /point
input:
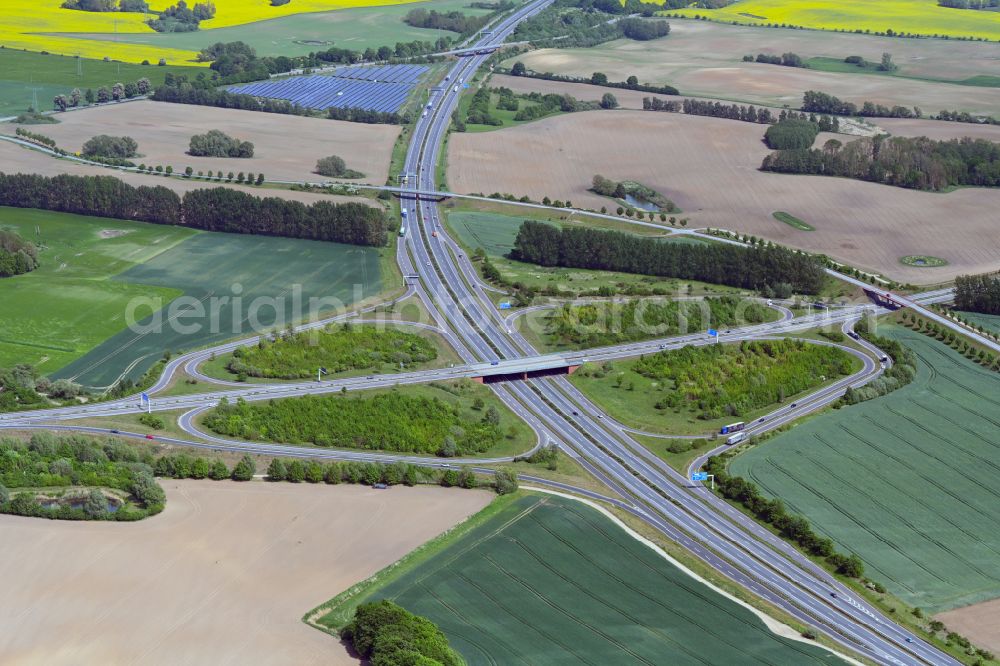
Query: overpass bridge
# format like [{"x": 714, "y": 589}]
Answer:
[{"x": 527, "y": 368}]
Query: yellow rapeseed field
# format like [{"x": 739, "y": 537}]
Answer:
[
  {"x": 35, "y": 25},
  {"x": 922, "y": 17}
]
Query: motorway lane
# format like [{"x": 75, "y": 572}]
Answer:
[{"x": 886, "y": 651}]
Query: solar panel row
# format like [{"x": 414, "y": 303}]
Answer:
[
  {"x": 324, "y": 92},
  {"x": 388, "y": 73}
]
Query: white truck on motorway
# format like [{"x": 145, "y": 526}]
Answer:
[{"x": 736, "y": 439}]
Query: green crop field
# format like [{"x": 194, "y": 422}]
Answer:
[
  {"x": 549, "y": 580},
  {"x": 910, "y": 481},
  {"x": 989, "y": 322},
  {"x": 301, "y": 34},
  {"x": 266, "y": 280},
  {"x": 70, "y": 304},
  {"x": 21, "y": 71}
]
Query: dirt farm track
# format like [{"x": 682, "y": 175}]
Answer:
[
  {"x": 222, "y": 576},
  {"x": 709, "y": 167}
]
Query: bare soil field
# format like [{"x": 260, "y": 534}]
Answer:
[
  {"x": 705, "y": 59},
  {"x": 222, "y": 576},
  {"x": 17, "y": 159},
  {"x": 709, "y": 167},
  {"x": 937, "y": 129},
  {"x": 980, "y": 623},
  {"x": 285, "y": 147}
]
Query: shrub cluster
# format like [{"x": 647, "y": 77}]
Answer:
[
  {"x": 215, "y": 143},
  {"x": 391, "y": 421},
  {"x": 335, "y": 167},
  {"x": 785, "y": 59},
  {"x": 116, "y": 147},
  {"x": 17, "y": 256},
  {"x": 756, "y": 268},
  {"x": 386, "y": 634},
  {"x": 338, "y": 348},
  {"x": 729, "y": 380},
  {"x": 216, "y": 209},
  {"x": 68, "y": 462},
  {"x": 791, "y": 134}
]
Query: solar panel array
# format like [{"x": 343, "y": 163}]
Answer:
[
  {"x": 384, "y": 88},
  {"x": 389, "y": 73}
]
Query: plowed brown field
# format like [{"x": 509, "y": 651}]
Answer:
[
  {"x": 285, "y": 147},
  {"x": 709, "y": 167},
  {"x": 17, "y": 159},
  {"x": 222, "y": 576}
]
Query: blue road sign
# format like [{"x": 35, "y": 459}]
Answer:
[
  {"x": 699, "y": 476},
  {"x": 505, "y": 305},
  {"x": 712, "y": 332},
  {"x": 465, "y": 85},
  {"x": 145, "y": 396}
]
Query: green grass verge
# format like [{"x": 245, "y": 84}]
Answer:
[
  {"x": 792, "y": 221},
  {"x": 907, "y": 481},
  {"x": 547, "y": 579}
]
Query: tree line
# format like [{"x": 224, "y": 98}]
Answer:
[
  {"x": 915, "y": 163},
  {"x": 977, "y": 293},
  {"x": 596, "y": 79},
  {"x": 391, "y": 421},
  {"x": 747, "y": 268},
  {"x": 819, "y": 102},
  {"x": 956, "y": 341},
  {"x": 117, "y": 92},
  {"x": 714, "y": 381},
  {"x": 215, "y": 209},
  {"x": 17, "y": 256},
  {"x": 785, "y": 59}
]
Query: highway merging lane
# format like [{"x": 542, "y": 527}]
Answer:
[{"x": 451, "y": 290}]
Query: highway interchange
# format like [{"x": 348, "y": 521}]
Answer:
[{"x": 638, "y": 482}]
